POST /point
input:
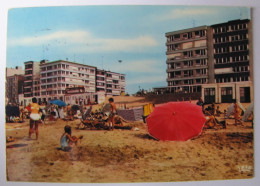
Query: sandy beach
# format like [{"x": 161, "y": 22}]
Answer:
[{"x": 128, "y": 155}]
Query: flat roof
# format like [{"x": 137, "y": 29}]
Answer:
[
  {"x": 186, "y": 30},
  {"x": 231, "y": 22},
  {"x": 60, "y": 61}
]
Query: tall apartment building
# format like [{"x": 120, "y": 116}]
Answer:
[
  {"x": 215, "y": 60},
  {"x": 31, "y": 79},
  {"x": 56, "y": 76},
  {"x": 187, "y": 59},
  {"x": 233, "y": 62}
]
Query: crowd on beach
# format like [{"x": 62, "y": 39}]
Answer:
[
  {"x": 212, "y": 112},
  {"x": 37, "y": 113}
]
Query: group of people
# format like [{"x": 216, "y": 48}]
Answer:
[
  {"x": 212, "y": 111},
  {"x": 67, "y": 140}
]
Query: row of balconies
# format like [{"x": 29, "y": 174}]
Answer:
[
  {"x": 186, "y": 78},
  {"x": 188, "y": 82},
  {"x": 230, "y": 28},
  {"x": 187, "y": 35}
]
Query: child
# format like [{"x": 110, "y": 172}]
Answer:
[
  {"x": 66, "y": 140},
  {"x": 237, "y": 115}
]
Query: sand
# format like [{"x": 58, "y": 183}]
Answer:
[{"x": 128, "y": 155}]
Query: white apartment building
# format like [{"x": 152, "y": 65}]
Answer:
[{"x": 56, "y": 76}]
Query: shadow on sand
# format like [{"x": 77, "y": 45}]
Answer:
[
  {"x": 16, "y": 145},
  {"x": 145, "y": 136}
]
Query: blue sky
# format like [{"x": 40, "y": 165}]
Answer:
[{"x": 102, "y": 35}]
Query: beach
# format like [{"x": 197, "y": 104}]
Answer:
[{"x": 123, "y": 156}]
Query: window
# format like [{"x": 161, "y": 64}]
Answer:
[
  {"x": 177, "y": 36},
  {"x": 178, "y": 65},
  {"x": 185, "y": 36}
]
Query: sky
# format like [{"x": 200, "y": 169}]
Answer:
[{"x": 101, "y": 35}]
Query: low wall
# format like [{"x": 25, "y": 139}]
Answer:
[{"x": 167, "y": 97}]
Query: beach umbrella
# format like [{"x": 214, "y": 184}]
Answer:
[
  {"x": 106, "y": 109},
  {"x": 58, "y": 102},
  {"x": 230, "y": 110},
  {"x": 241, "y": 106},
  {"x": 176, "y": 121},
  {"x": 248, "y": 112}
]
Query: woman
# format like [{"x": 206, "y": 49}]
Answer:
[{"x": 34, "y": 118}]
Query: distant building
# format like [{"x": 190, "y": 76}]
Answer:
[
  {"x": 14, "y": 87},
  {"x": 14, "y": 84},
  {"x": 111, "y": 83},
  {"x": 14, "y": 71},
  {"x": 64, "y": 80}
]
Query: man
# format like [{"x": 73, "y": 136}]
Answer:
[
  {"x": 112, "y": 113},
  {"x": 201, "y": 103}
]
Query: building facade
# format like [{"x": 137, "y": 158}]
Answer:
[
  {"x": 215, "y": 60},
  {"x": 14, "y": 87},
  {"x": 14, "y": 84},
  {"x": 233, "y": 63},
  {"x": 187, "y": 59},
  {"x": 31, "y": 80},
  {"x": 56, "y": 76},
  {"x": 115, "y": 83},
  {"x": 111, "y": 83}
]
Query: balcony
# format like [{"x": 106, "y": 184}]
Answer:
[{"x": 182, "y": 40}]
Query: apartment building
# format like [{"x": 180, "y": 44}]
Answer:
[
  {"x": 31, "y": 80},
  {"x": 233, "y": 62},
  {"x": 187, "y": 59},
  {"x": 56, "y": 76},
  {"x": 51, "y": 80},
  {"x": 214, "y": 60},
  {"x": 101, "y": 81},
  {"x": 115, "y": 83}
]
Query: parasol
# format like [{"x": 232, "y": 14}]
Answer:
[
  {"x": 248, "y": 112},
  {"x": 176, "y": 121},
  {"x": 58, "y": 102},
  {"x": 106, "y": 109}
]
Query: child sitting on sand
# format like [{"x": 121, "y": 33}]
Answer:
[{"x": 66, "y": 140}]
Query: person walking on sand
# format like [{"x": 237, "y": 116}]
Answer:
[
  {"x": 34, "y": 118},
  {"x": 112, "y": 114},
  {"x": 237, "y": 114},
  {"x": 66, "y": 140}
]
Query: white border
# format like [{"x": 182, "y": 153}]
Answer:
[{"x": 255, "y": 4}]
